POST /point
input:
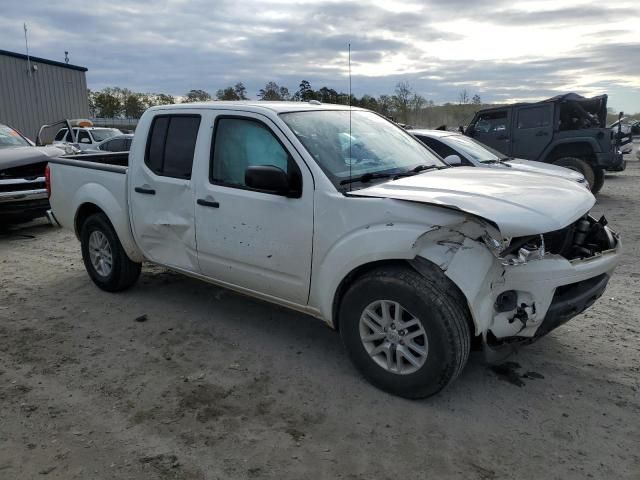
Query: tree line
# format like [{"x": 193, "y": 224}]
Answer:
[{"x": 405, "y": 105}]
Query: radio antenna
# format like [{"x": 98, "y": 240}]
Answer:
[{"x": 350, "y": 157}]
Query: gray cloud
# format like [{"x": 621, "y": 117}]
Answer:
[{"x": 172, "y": 48}]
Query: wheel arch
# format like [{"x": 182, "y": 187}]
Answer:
[
  {"x": 584, "y": 148},
  {"x": 94, "y": 198}
]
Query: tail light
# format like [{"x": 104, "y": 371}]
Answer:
[{"x": 47, "y": 180}]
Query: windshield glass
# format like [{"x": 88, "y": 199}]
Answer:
[
  {"x": 10, "y": 138},
  {"x": 473, "y": 149},
  {"x": 374, "y": 145},
  {"x": 100, "y": 134}
]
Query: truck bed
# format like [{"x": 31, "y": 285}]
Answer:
[{"x": 97, "y": 161}]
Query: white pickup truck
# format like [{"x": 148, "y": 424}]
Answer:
[{"x": 341, "y": 214}]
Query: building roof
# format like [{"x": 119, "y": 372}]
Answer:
[{"x": 42, "y": 60}]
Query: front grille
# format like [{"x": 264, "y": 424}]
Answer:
[{"x": 31, "y": 171}]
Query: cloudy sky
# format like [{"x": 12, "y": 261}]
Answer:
[{"x": 502, "y": 50}]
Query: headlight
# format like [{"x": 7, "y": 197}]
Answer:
[{"x": 494, "y": 245}]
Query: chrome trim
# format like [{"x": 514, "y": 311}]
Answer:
[{"x": 21, "y": 195}]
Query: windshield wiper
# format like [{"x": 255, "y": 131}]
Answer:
[
  {"x": 367, "y": 177},
  {"x": 420, "y": 168}
]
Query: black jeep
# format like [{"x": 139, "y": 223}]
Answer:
[{"x": 567, "y": 130}]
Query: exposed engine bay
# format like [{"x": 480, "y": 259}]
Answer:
[{"x": 582, "y": 239}]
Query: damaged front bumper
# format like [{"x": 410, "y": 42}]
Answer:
[{"x": 518, "y": 303}]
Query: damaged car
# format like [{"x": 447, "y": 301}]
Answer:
[
  {"x": 22, "y": 169},
  {"x": 338, "y": 213},
  {"x": 567, "y": 130}
]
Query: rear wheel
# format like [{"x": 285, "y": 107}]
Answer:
[
  {"x": 581, "y": 166},
  {"x": 104, "y": 258},
  {"x": 598, "y": 181},
  {"x": 407, "y": 334}
]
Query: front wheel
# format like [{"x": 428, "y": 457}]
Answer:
[
  {"x": 581, "y": 166},
  {"x": 104, "y": 258},
  {"x": 598, "y": 181},
  {"x": 407, "y": 334}
]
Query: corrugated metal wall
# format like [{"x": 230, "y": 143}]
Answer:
[{"x": 49, "y": 94}]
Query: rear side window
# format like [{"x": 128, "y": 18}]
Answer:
[
  {"x": 83, "y": 137},
  {"x": 171, "y": 144},
  {"x": 534, "y": 117},
  {"x": 116, "y": 145}
]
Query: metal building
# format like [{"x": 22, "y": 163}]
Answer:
[{"x": 35, "y": 91}]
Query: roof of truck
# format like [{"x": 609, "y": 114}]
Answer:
[{"x": 257, "y": 106}]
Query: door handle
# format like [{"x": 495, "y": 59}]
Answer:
[
  {"x": 541, "y": 133},
  {"x": 146, "y": 191},
  {"x": 207, "y": 203}
]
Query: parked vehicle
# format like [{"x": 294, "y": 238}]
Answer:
[
  {"x": 567, "y": 130},
  {"x": 459, "y": 150},
  {"x": 117, "y": 143},
  {"x": 84, "y": 135},
  {"x": 22, "y": 185},
  {"x": 408, "y": 258}
]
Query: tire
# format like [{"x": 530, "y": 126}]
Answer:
[
  {"x": 99, "y": 240},
  {"x": 598, "y": 181},
  {"x": 581, "y": 166},
  {"x": 441, "y": 313}
]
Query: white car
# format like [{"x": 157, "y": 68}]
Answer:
[
  {"x": 87, "y": 138},
  {"x": 457, "y": 149},
  {"x": 117, "y": 143},
  {"x": 341, "y": 214}
]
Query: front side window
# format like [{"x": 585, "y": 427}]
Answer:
[
  {"x": 171, "y": 145},
  {"x": 351, "y": 144},
  {"x": 534, "y": 117},
  {"x": 492, "y": 122},
  {"x": 60, "y": 135},
  {"x": 240, "y": 143}
]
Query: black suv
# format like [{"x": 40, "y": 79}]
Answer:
[{"x": 567, "y": 130}]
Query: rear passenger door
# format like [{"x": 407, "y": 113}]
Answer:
[
  {"x": 161, "y": 198},
  {"x": 253, "y": 239},
  {"x": 533, "y": 131},
  {"x": 493, "y": 128}
]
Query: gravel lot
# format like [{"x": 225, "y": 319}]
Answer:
[{"x": 213, "y": 385}]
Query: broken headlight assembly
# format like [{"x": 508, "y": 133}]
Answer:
[
  {"x": 517, "y": 251},
  {"x": 494, "y": 245}
]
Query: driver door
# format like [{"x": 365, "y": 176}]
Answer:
[{"x": 493, "y": 128}]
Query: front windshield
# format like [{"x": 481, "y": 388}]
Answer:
[
  {"x": 10, "y": 138},
  {"x": 473, "y": 149},
  {"x": 366, "y": 144},
  {"x": 100, "y": 134}
]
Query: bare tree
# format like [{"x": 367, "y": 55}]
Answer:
[
  {"x": 463, "y": 97},
  {"x": 476, "y": 100}
]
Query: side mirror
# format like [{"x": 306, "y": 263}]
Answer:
[
  {"x": 470, "y": 131},
  {"x": 268, "y": 178},
  {"x": 453, "y": 160}
]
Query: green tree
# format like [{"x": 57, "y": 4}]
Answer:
[
  {"x": 163, "y": 99},
  {"x": 108, "y": 103},
  {"x": 134, "y": 105},
  {"x": 196, "y": 96},
  {"x": 228, "y": 93},
  {"x": 305, "y": 92},
  {"x": 272, "y": 91},
  {"x": 241, "y": 91}
]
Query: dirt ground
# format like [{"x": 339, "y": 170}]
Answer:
[{"x": 212, "y": 385}]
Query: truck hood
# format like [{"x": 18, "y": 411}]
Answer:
[
  {"x": 19, "y": 156},
  {"x": 519, "y": 203}
]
